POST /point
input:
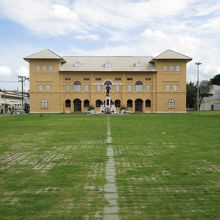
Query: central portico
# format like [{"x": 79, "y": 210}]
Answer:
[{"x": 107, "y": 107}]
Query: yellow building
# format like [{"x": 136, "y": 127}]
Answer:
[{"x": 137, "y": 83}]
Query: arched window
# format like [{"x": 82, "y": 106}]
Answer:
[
  {"x": 129, "y": 103},
  {"x": 86, "y": 103},
  {"x": 108, "y": 83},
  {"x": 171, "y": 103},
  {"x": 148, "y": 103},
  {"x": 76, "y": 86},
  {"x": 98, "y": 103},
  {"x": 44, "y": 103},
  {"x": 138, "y": 86},
  {"x": 117, "y": 103},
  {"x": 67, "y": 103}
]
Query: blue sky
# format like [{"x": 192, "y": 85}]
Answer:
[{"x": 108, "y": 27}]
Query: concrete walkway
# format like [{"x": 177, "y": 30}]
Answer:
[{"x": 111, "y": 210}]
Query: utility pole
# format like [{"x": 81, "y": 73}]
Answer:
[
  {"x": 22, "y": 80},
  {"x": 197, "y": 97}
]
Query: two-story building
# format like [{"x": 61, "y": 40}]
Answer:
[
  {"x": 10, "y": 102},
  {"x": 138, "y": 83}
]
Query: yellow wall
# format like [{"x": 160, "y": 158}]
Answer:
[
  {"x": 57, "y": 96},
  {"x": 171, "y": 78},
  {"x": 52, "y": 78}
]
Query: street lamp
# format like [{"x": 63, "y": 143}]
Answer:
[{"x": 197, "y": 97}]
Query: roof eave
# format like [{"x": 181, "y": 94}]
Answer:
[
  {"x": 182, "y": 59},
  {"x": 28, "y": 59},
  {"x": 152, "y": 71}
]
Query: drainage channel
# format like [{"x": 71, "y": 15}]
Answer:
[{"x": 111, "y": 210}]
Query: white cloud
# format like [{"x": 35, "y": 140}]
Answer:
[
  {"x": 204, "y": 9},
  {"x": 43, "y": 16},
  {"x": 153, "y": 42},
  {"x": 211, "y": 25},
  {"x": 125, "y": 14},
  {"x": 128, "y": 27},
  {"x": 5, "y": 71},
  {"x": 23, "y": 71},
  {"x": 58, "y": 18},
  {"x": 92, "y": 37}
]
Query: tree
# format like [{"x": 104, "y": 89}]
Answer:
[
  {"x": 191, "y": 95},
  {"x": 215, "y": 80}
]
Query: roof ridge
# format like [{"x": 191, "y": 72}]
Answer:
[
  {"x": 178, "y": 53},
  {"x": 54, "y": 53},
  {"x": 46, "y": 53},
  {"x": 102, "y": 56},
  {"x": 174, "y": 52}
]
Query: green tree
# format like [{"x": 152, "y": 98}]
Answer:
[
  {"x": 191, "y": 95},
  {"x": 215, "y": 80}
]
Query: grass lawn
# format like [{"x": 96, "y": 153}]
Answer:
[{"x": 53, "y": 166}]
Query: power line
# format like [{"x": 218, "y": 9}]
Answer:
[
  {"x": 9, "y": 81},
  {"x": 22, "y": 80}
]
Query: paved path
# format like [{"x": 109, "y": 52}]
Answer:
[{"x": 111, "y": 210}]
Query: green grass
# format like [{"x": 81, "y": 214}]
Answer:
[
  {"x": 48, "y": 165},
  {"x": 53, "y": 166},
  {"x": 168, "y": 166}
]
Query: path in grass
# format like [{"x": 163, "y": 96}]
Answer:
[{"x": 111, "y": 210}]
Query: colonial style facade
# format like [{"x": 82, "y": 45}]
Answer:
[{"x": 137, "y": 83}]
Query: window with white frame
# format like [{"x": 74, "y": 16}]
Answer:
[
  {"x": 98, "y": 88},
  {"x": 148, "y": 88},
  {"x": 117, "y": 88},
  {"x": 86, "y": 88},
  {"x": 37, "y": 68},
  {"x": 76, "y": 86},
  {"x": 129, "y": 88},
  {"x": 44, "y": 103},
  {"x": 67, "y": 87},
  {"x": 48, "y": 88},
  {"x": 175, "y": 88},
  {"x": 178, "y": 69},
  {"x": 43, "y": 68},
  {"x": 138, "y": 86},
  {"x": 40, "y": 88},
  {"x": 171, "y": 103},
  {"x": 50, "y": 68},
  {"x": 167, "y": 87},
  {"x": 165, "y": 68}
]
